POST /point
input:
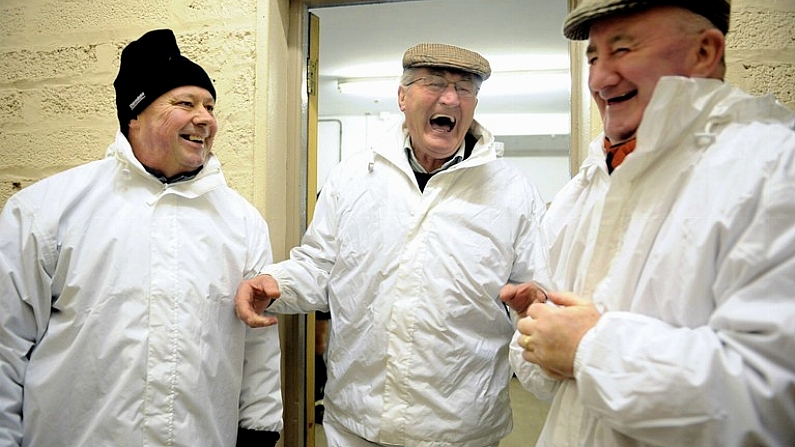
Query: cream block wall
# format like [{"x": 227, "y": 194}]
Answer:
[
  {"x": 760, "y": 53},
  {"x": 58, "y": 59}
]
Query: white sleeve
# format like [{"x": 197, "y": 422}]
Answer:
[
  {"x": 25, "y": 305},
  {"x": 304, "y": 277},
  {"x": 261, "y": 406},
  {"x": 730, "y": 381}
]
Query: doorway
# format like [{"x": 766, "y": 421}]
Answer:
[
  {"x": 475, "y": 24},
  {"x": 525, "y": 103}
]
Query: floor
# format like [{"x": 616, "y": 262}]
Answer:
[
  {"x": 528, "y": 418},
  {"x": 529, "y": 415}
]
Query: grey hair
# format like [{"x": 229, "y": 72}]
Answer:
[
  {"x": 693, "y": 23},
  {"x": 407, "y": 76}
]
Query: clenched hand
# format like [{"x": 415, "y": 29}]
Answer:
[{"x": 253, "y": 297}]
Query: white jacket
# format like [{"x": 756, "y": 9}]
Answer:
[
  {"x": 418, "y": 350},
  {"x": 117, "y": 324},
  {"x": 689, "y": 248}
]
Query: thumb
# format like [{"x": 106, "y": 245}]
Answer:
[
  {"x": 507, "y": 293},
  {"x": 264, "y": 288},
  {"x": 565, "y": 299}
]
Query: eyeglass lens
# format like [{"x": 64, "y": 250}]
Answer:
[{"x": 438, "y": 84}]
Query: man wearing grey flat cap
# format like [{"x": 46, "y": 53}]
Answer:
[
  {"x": 408, "y": 248},
  {"x": 671, "y": 254},
  {"x": 117, "y": 325}
]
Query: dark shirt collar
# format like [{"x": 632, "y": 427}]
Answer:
[{"x": 175, "y": 178}]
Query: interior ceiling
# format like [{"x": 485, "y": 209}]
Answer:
[{"x": 514, "y": 35}]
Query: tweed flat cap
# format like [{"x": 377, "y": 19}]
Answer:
[
  {"x": 578, "y": 22},
  {"x": 446, "y": 56}
]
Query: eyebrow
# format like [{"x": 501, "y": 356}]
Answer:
[
  {"x": 193, "y": 97},
  {"x": 591, "y": 49},
  {"x": 465, "y": 75}
]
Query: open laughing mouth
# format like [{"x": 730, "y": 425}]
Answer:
[
  {"x": 443, "y": 123},
  {"x": 622, "y": 98},
  {"x": 194, "y": 139}
]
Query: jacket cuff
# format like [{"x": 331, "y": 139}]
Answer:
[
  {"x": 256, "y": 438},
  {"x": 583, "y": 350}
]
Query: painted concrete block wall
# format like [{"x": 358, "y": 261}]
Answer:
[
  {"x": 760, "y": 48},
  {"x": 58, "y": 60}
]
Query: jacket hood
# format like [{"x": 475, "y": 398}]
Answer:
[
  {"x": 690, "y": 108},
  {"x": 209, "y": 178}
]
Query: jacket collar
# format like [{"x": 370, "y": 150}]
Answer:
[
  {"x": 209, "y": 178},
  {"x": 391, "y": 148},
  {"x": 686, "y": 114}
]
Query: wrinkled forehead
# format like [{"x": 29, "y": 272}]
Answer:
[{"x": 621, "y": 28}]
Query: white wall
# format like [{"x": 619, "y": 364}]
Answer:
[{"x": 548, "y": 173}]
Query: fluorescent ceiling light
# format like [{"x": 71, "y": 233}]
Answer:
[
  {"x": 522, "y": 62},
  {"x": 525, "y": 83},
  {"x": 371, "y": 87},
  {"x": 505, "y": 83}
]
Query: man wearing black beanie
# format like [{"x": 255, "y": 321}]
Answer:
[
  {"x": 151, "y": 66},
  {"x": 117, "y": 278}
]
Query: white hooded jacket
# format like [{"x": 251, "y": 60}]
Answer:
[
  {"x": 117, "y": 325},
  {"x": 689, "y": 249},
  {"x": 418, "y": 349}
]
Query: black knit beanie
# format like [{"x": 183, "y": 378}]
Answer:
[{"x": 151, "y": 66}]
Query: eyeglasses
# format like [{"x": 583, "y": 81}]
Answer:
[{"x": 437, "y": 84}]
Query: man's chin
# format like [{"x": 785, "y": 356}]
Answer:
[{"x": 620, "y": 134}]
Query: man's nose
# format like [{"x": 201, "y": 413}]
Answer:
[
  {"x": 449, "y": 95},
  {"x": 601, "y": 75}
]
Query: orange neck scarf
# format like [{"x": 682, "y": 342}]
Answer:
[{"x": 615, "y": 154}]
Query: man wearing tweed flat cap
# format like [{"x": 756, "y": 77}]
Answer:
[
  {"x": 408, "y": 248},
  {"x": 116, "y": 283},
  {"x": 671, "y": 254}
]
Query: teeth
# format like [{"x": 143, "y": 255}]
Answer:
[
  {"x": 443, "y": 116},
  {"x": 196, "y": 138}
]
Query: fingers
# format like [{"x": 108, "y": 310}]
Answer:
[
  {"x": 541, "y": 295},
  {"x": 246, "y": 312},
  {"x": 521, "y": 296},
  {"x": 525, "y": 342},
  {"x": 264, "y": 286},
  {"x": 550, "y": 334},
  {"x": 525, "y": 325},
  {"x": 261, "y": 321},
  {"x": 532, "y": 291},
  {"x": 253, "y": 297},
  {"x": 244, "y": 309},
  {"x": 508, "y": 292}
]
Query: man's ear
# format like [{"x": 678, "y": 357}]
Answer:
[
  {"x": 402, "y": 97},
  {"x": 709, "y": 60}
]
